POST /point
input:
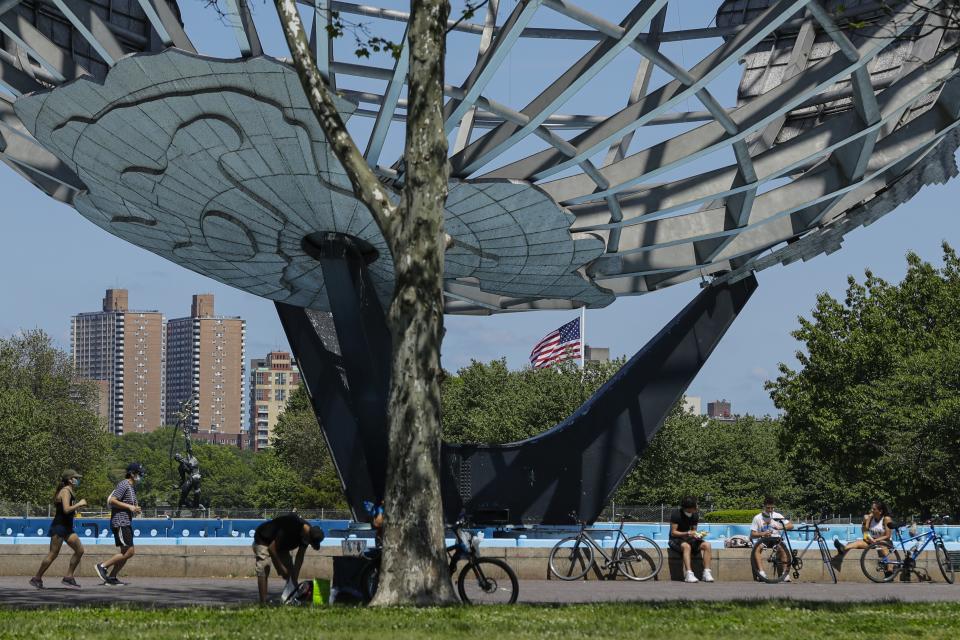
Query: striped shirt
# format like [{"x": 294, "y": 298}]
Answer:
[{"x": 124, "y": 493}]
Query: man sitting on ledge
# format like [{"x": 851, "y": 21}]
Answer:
[
  {"x": 274, "y": 540},
  {"x": 687, "y": 541}
]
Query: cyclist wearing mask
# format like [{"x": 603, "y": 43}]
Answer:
[
  {"x": 61, "y": 529},
  {"x": 877, "y": 526},
  {"x": 685, "y": 540},
  {"x": 765, "y": 531},
  {"x": 123, "y": 507}
]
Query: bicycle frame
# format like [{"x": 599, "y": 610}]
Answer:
[
  {"x": 461, "y": 549},
  {"x": 817, "y": 538},
  {"x": 795, "y": 559},
  {"x": 927, "y": 536},
  {"x": 585, "y": 535}
]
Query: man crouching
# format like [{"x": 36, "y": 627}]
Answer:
[{"x": 273, "y": 542}]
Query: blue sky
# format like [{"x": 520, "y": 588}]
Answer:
[{"x": 55, "y": 263}]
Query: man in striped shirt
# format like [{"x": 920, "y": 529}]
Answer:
[{"x": 123, "y": 506}]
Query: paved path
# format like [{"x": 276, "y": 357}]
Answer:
[{"x": 170, "y": 592}]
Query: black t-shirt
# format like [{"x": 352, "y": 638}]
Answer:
[
  {"x": 286, "y": 530},
  {"x": 684, "y": 522}
]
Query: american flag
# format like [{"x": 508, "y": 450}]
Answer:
[{"x": 557, "y": 346}]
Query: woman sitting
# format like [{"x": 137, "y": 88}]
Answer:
[{"x": 877, "y": 527}]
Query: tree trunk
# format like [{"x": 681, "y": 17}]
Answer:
[{"x": 415, "y": 568}]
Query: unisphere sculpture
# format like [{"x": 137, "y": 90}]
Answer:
[{"x": 218, "y": 165}]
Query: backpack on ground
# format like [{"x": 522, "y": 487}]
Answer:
[{"x": 737, "y": 542}]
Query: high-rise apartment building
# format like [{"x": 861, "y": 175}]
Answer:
[
  {"x": 272, "y": 380},
  {"x": 205, "y": 358},
  {"x": 124, "y": 352}
]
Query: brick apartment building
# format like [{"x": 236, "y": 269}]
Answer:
[
  {"x": 205, "y": 358},
  {"x": 123, "y": 352},
  {"x": 272, "y": 380}
]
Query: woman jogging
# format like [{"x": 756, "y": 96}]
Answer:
[{"x": 61, "y": 529}]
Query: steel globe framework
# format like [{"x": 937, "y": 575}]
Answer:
[
  {"x": 833, "y": 127},
  {"x": 842, "y": 113}
]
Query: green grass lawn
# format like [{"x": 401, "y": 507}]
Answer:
[{"x": 611, "y": 621}]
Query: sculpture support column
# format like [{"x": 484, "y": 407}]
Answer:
[{"x": 574, "y": 467}]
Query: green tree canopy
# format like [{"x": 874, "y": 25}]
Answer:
[
  {"x": 488, "y": 403},
  {"x": 47, "y": 419},
  {"x": 299, "y": 444},
  {"x": 735, "y": 463},
  {"x": 874, "y": 409}
]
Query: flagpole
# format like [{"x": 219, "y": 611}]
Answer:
[{"x": 583, "y": 335}]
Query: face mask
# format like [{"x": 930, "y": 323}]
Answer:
[
  {"x": 767, "y": 515},
  {"x": 75, "y": 482},
  {"x": 689, "y": 514}
]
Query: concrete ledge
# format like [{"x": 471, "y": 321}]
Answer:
[{"x": 530, "y": 563}]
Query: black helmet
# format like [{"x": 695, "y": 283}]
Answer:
[{"x": 137, "y": 468}]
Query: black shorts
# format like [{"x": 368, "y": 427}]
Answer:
[
  {"x": 60, "y": 530},
  {"x": 693, "y": 542},
  {"x": 770, "y": 542},
  {"x": 123, "y": 536}
]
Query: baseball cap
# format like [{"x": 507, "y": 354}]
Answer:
[
  {"x": 136, "y": 467},
  {"x": 316, "y": 537},
  {"x": 69, "y": 474}
]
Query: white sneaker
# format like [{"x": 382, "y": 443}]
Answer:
[
  {"x": 762, "y": 574},
  {"x": 690, "y": 577},
  {"x": 787, "y": 579},
  {"x": 707, "y": 575}
]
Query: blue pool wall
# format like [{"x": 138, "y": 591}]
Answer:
[{"x": 230, "y": 532}]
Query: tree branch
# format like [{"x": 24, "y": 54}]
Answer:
[{"x": 363, "y": 180}]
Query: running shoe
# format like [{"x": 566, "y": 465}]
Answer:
[
  {"x": 102, "y": 572},
  {"x": 36, "y": 582},
  {"x": 71, "y": 582},
  {"x": 690, "y": 577},
  {"x": 838, "y": 545},
  {"x": 113, "y": 582},
  {"x": 762, "y": 574},
  {"x": 707, "y": 575}
]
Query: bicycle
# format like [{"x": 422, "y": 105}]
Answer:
[
  {"x": 481, "y": 581},
  {"x": 777, "y": 571},
  {"x": 636, "y": 558},
  {"x": 881, "y": 561}
]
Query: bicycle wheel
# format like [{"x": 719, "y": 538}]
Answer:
[
  {"x": 571, "y": 558},
  {"x": 370, "y": 579},
  {"x": 943, "y": 560},
  {"x": 488, "y": 581},
  {"x": 639, "y": 558},
  {"x": 880, "y": 562},
  {"x": 770, "y": 567},
  {"x": 825, "y": 556}
]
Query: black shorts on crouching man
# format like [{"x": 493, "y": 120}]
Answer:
[{"x": 123, "y": 536}]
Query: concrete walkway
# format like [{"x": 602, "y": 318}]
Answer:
[{"x": 170, "y": 592}]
